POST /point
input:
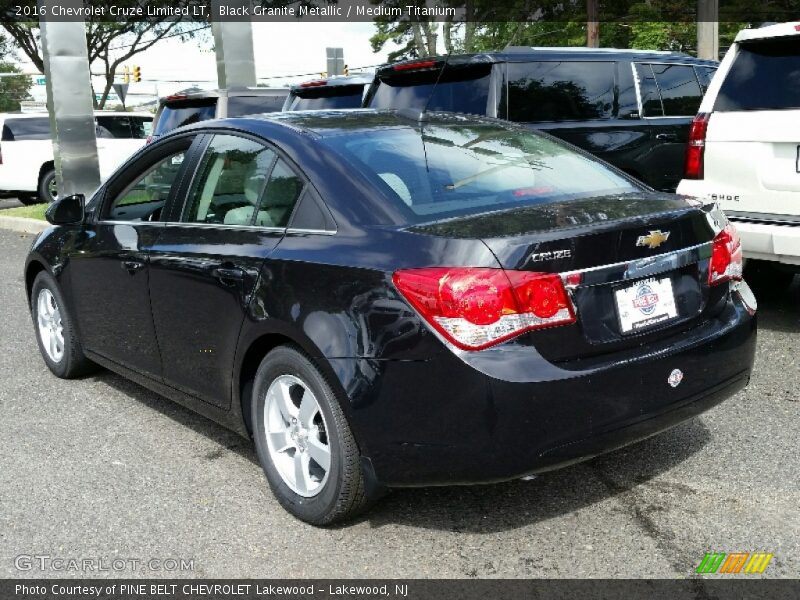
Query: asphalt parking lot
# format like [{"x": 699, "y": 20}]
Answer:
[{"x": 102, "y": 468}]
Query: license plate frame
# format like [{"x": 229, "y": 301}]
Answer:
[{"x": 645, "y": 304}]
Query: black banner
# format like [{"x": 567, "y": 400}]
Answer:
[
  {"x": 457, "y": 11},
  {"x": 254, "y": 589}
]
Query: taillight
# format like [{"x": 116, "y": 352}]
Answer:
[
  {"x": 412, "y": 66},
  {"x": 315, "y": 83},
  {"x": 693, "y": 167},
  {"x": 726, "y": 257},
  {"x": 475, "y": 308}
]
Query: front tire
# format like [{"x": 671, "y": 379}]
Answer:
[
  {"x": 303, "y": 441},
  {"x": 55, "y": 331}
]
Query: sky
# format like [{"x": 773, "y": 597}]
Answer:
[{"x": 279, "y": 48}]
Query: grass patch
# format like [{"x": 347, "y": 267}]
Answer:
[{"x": 35, "y": 211}]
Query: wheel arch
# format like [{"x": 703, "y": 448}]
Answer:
[{"x": 33, "y": 268}]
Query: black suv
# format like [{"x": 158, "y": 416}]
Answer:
[
  {"x": 333, "y": 92},
  {"x": 632, "y": 108}
]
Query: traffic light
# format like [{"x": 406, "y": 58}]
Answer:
[
  {"x": 137, "y": 73},
  {"x": 126, "y": 75}
]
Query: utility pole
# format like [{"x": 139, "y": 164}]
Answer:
[
  {"x": 708, "y": 29},
  {"x": 592, "y": 25}
]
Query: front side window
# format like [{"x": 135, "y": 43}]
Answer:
[
  {"x": 679, "y": 89},
  {"x": 764, "y": 76},
  {"x": 560, "y": 91},
  {"x": 443, "y": 170},
  {"x": 143, "y": 199},
  {"x": 229, "y": 182}
]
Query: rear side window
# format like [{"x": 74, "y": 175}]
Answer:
[
  {"x": 119, "y": 127},
  {"x": 323, "y": 97},
  {"x": 20, "y": 130},
  {"x": 764, "y": 76},
  {"x": 460, "y": 89},
  {"x": 560, "y": 91},
  {"x": 185, "y": 112},
  {"x": 253, "y": 105},
  {"x": 679, "y": 89}
]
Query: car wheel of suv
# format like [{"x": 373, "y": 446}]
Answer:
[
  {"x": 47, "y": 190},
  {"x": 767, "y": 281},
  {"x": 55, "y": 333},
  {"x": 304, "y": 443},
  {"x": 28, "y": 199}
]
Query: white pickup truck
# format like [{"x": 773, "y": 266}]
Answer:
[
  {"x": 744, "y": 150},
  {"x": 26, "y": 150}
]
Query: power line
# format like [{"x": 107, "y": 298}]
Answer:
[{"x": 159, "y": 38}]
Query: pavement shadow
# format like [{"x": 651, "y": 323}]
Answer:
[
  {"x": 506, "y": 506},
  {"x": 781, "y": 313},
  {"x": 226, "y": 438}
]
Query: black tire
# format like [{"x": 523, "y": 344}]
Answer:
[
  {"x": 29, "y": 199},
  {"x": 43, "y": 190},
  {"x": 73, "y": 363},
  {"x": 767, "y": 281},
  {"x": 344, "y": 493}
]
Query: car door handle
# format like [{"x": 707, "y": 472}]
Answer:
[
  {"x": 228, "y": 274},
  {"x": 667, "y": 137},
  {"x": 131, "y": 266}
]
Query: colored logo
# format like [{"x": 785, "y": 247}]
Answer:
[
  {"x": 645, "y": 300},
  {"x": 734, "y": 562},
  {"x": 653, "y": 239},
  {"x": 675, "y": 378}
]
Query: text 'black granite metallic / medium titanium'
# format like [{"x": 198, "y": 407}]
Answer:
[{"x": 386, "y": 299}]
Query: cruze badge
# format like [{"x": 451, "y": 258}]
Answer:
[
  {"x": 653, "y": 239},
  {"x": 551, "y": 255},
  {"x": 675, "y": 378}
]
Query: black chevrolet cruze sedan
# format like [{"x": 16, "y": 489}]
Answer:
[{"x": 386, "y": 299}]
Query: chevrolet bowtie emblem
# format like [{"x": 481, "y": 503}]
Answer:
[{"x": 653, "y": 239}]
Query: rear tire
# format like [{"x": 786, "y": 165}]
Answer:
[
  {"x": 307, "y": 433},
  {"x": 768, "y": 281},
  {"x": 46, "y": 186},
  {"x": 55, "y": 330}
]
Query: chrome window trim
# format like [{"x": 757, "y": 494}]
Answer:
[
  {"x": 642, "y": 267},
  {"x": 286, "y": 230}
]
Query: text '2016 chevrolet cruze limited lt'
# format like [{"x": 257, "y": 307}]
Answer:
[{"x": 386, "y": 299}]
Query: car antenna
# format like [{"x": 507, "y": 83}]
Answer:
[{"x": 433, "y": 89}]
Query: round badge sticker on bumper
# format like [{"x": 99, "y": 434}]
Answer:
[{"x": 675, "y": 377}]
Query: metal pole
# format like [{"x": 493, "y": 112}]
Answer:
[
  {"x": 708, "y": 29},
  {"x": 70, "y": 103},
  {"x": 233, "y": 41}
]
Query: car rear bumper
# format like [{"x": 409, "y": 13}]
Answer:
[{"x": 445, "y": 421}]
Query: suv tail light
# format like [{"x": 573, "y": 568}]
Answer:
[
  {"x": 315, "y": 83},
  {"x": 693, "y": 167},
  {"x": 413, "y": 66},
  {"x": 726, "y": 257},
  {"x": 474, "y": 308}
]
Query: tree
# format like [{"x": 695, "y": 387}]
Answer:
[
  {"x": 13, "y": 89},
  {"x": 110, "y": 43}
]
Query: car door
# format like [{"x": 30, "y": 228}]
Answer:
[
  {"x": 207, "y": 260},
  {"x": 109, "y": 264}
]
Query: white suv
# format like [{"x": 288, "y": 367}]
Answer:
[
  {"x": 26, "y": 150},
  {"x": 744, "y": 147}
]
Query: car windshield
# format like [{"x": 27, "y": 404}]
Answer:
[{"x": 448, "y": 170}]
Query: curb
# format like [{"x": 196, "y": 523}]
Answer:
[{"x": 23, "y": 224}]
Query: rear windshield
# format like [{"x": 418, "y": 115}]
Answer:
[
  {"x": 185, "y": 112},
  {"x": 253, "y": 105},
  {"x": 338, "y": 96},
  {"x": 20, "y": 130},
  {"x": 460, "y": 89},
  {"x": 764, "y": 76},
  {"x": 444, "y": 170},
  {"x": 130, "y": 128}
]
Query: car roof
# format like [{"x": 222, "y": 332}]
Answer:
[
  {"x": 342, "y": 80},
  {"x": 769, "y": 31},
  {"x": 522, "y": 53}
]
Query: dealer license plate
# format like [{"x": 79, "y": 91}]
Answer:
[{"x": 645, "y": 303}]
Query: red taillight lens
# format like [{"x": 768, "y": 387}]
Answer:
[
  {"x": 475, "y": 308},
  {"x": 693, "y": 167},
  {"x": 315, "y": 83},
  {"x": 726, "y": 257},
  {"x": 420, "y": 64}
]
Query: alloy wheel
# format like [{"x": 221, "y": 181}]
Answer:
[
  {"x": 297, "y": 436},
  {"x": 51, "y": 328}
]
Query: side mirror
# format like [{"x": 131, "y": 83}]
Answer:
[{"x": 69, "y": 210}]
